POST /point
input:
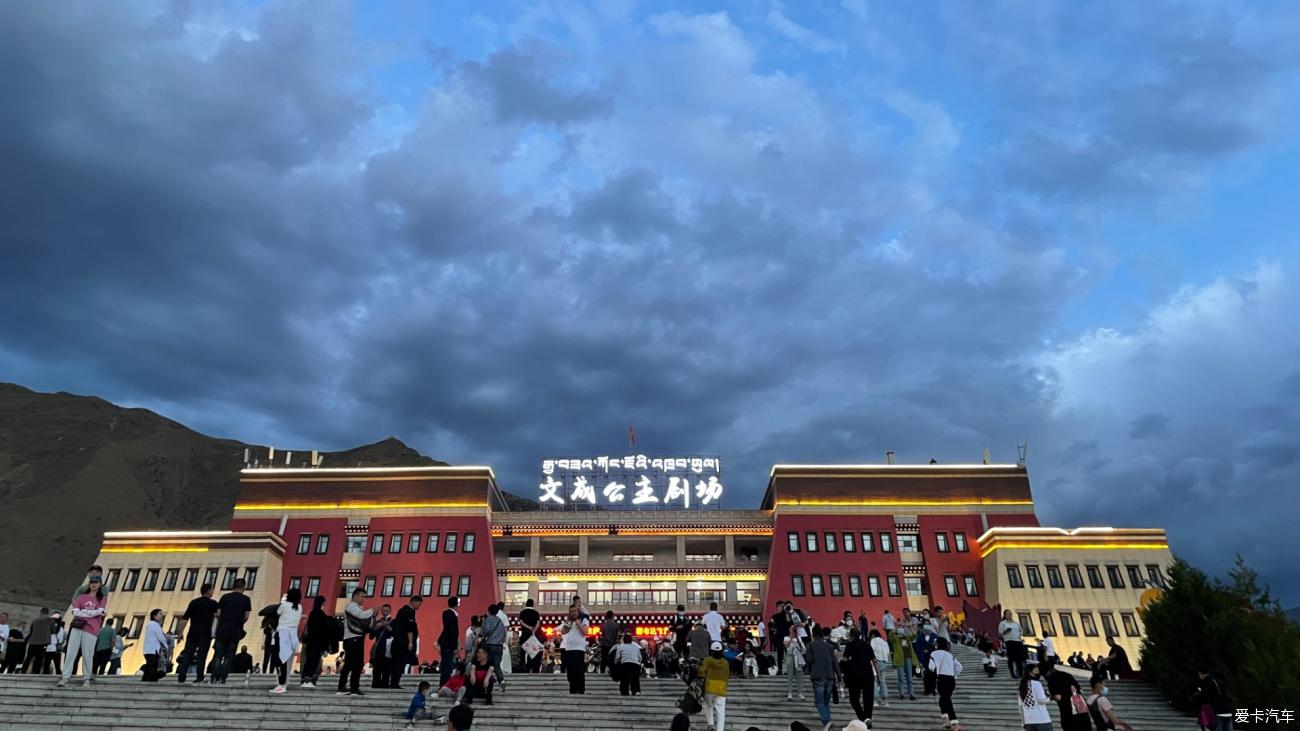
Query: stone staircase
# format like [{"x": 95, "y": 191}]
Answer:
[{"x": 531, "y": 702}]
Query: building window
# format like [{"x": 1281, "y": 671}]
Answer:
[
  {"x": 950, "y": 585},
  {"x": 228, "y": 582},
  {"x": 137, "y": 624},
  {"x": 1046, "y": 623},
  {"x": 1076, "y": 578},
  {"x": 169, "y": 579},
  {"x": 295, "y": 582},
  {"x": 408, "y": 585},
  {"x": 941, "y": 540},
  {"x": 1054, "y": 577},
  {"x": 346, "y": 587},
  {"x": 250, "y": 578},
  {"x": 914, "y": 586},
  {"x": 462, "y": 586},
  {"x": 868, "y": 545},
  {"x": 891, "y": 582},
  {"x": 413, "y": 543},
  {"x": 959, "y": 540},
  {"x": 323, "y": 543},
  {"x": 796, "y": 585},
  {"x": 811, "y": 541},
  {"x": 1130, "y": 624},
  {"x": 816, "y": 583},
  {"x": 444, "y": 586},
  {"x": 907, "y": 543},
  {"x": 389, "y": 583},
  {"x": 313, "y": 586},
  {"x": 304, "y": 543},
  {"x": 431, "y": 543},
  {"x": 426, "y": 586},
  {"x": 132, "y": 577},
  {"x": 886, "y": 543},
  {"x": 1089, "y": 624},
  {"x": 855, "y": 585},
  {"x": 111, "y": 585},
  {"x": 1026, "y": 623},
  {"x": 370, "y": 586},
  {"x": 1108, "y": 624},
  {"x": 837, "y": 585},
  {"x": 210, "y": 577},
  {"x": 1035, "y": 578},
  {"x": 873, "y": 585},
  {"x": 1013, "y": 577},
  {"x": 1067, "y": 625},
  {"x": 191, "y": 578},
  {"x": 354, "y": 544},
  {"x": 150, "y": 580},
  {"x": 395, "y": 543},
  {"x": 1134, "y": 576},
  {"x": 1116, "y": 580},
  {"x": 377, "y": 543},
  {"x": 849, "y": 544},
  {"x": 831, "y": 546},
  {"x": 468, "y": 545},
  {"x": 972, "y": 589},
  {"x": 1094, "y": 578},
  {"x": 1153, "y": 571},
  {"x": 792, "y": 539},
  {"x": 449, "y": 544},
  {"x": 174, "y": 624}
]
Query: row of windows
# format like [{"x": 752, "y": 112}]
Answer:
[
  {"x": 388, "y": 586},
  {"x": 147, "y": 579},
  {"x": 412, "y": 541},
  {"x": 907, "y": 542},
  {"x": 914, "y": 585},
  {"x": 1047, "y": 623},
  {"x": 1075, "y": 576}
]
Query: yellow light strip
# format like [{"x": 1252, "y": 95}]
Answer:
[
  {"x": 152, "y": 549},
  {"x": 1011, "y": 530},
  {"x": 898, "y": 503},
  {"x": 406, "y": 478},
  {"x": 536, "y": 576},
  {"x": 167, "y": 533},
  {"x": 1074, "y": 546},
  {"x": 526, "y": 532},
  {"x": 353, "y": 470},
  {"x": 355, "y": 506},
  {"x": 894, "y": 467}
]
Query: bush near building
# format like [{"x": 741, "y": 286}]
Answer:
[{"x": 1234, "y": 628}]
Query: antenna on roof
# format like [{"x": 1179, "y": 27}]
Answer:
[
  {"x": 315, "y": 457},
  {"x": 270, "y": 456},
  {"x": 247, "y": 455},
  {"x": 1023, "y": 451},
  {"x": 934, "y": 461},
  {"x": 320, "y": 461},
  {"x": 986, "y": 455},
  {"x": 889, "y": 456},
  {"x": 287, "y": 457}
]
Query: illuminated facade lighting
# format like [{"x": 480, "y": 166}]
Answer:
[
  {"x": 1080, "y": 546},
  {"x": 355, "y": 506},
  {"x": 896, "y": 503},
  {"x": 154, "y": 549}
]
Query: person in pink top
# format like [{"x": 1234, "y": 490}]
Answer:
[{"x": 86, "y": 618}]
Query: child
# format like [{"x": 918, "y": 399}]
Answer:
[
  {"x": 455, "y": 687},
  {"x": 419, "y": 708},
  {"x": 990, "y": 663}
]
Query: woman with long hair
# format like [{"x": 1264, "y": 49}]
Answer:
[
  {"x": 1033, "y": 701},
  {"x": 156, "y": 646},
  {"x": 321, "y": 631},
  {"x": 88, "y": 610},
  {"x": 286, "y": 632},
  {"x": 946, "y": 668}
]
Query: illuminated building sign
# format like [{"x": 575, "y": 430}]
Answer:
[{"x": 636, "y": 480}]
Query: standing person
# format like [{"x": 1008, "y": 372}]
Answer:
[
  {"x": 321, "y": 632},
  {"x": 761, "y": 642},
  {"x": 904, "y": 656},
  {"x": 780, "y": 627},
  {"x": 888, "y": 623},
  {"x": 119, "y": 646},
  {"x": 494, "y": 641},
  {"x": 715, "y": 670},
  {"x": 17, "y": 648},
  {"x": 926, "y": 642},
  {"x": 233, "y": 611},
  {"x": 941, "y": 624},
  {"x": 156, "y": 647},
  {"x": 288, "y": 617},
  {"x": 59, "y": 633},
  {"x": 1049, "y": 649},
  {"x": 506, "y": 665},
  {"x": 104, "y": 646},
  {"x": 795, "y": 654},
  {"x": 380, "y": 650},
  {"x": 946, "y": 668},
  {"x": 38, "y": 636},
  {"x": 627, "y": 666},
  {"x": 448, "y": 640},
  {"x": 4, "y": 636},
  {"x": 529, "y": 623},
  {"x": 714, "y": 623},
  {"x": 1009, "y": 631},
  {"x": 860, "y": 673},
  {"x": 680, "y": 626},
  {"x": 1213, "y": 703},
  {"x": 825, "y": 673},
  {"x": 880, "y": 648},
  {"x": 573, "y": 639},
  {"x": 199, "y": 616},
  {"x": 1033, "y": 702},
  {"x": 1063, "y": 688},
  {"x": 699, "y": 641},
  {"x": 1104, "y": 715},
  {"x": 357, "y": 623},
  {"x": 406, "y": 635},
  {"x": 609, "y": 637},
  {"x": 88, "y": 610}
]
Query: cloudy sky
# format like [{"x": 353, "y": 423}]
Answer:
[{"x": 771, "y": 231}]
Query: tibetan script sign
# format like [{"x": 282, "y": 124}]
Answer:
[{"x": 634, "y": 481}]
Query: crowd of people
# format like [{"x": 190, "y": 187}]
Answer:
[{"x": 857, "y": 658}]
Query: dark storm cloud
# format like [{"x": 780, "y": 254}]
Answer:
[{"x": 217, "y": 216}]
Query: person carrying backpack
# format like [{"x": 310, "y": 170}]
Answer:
[
  {"x": 1103, "y": 713},
  {"x": 1215, "y": 707}
]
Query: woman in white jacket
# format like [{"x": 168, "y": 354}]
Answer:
[
  {"x": 946, "y": 668},
  {"x": 1033, "y": 702},
  {"x": 156, "y": 646},
  {"x": 286, "y": 630}
]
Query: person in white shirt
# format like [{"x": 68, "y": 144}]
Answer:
[
  {"x": 990, "y": 662},
  {"x": 946, "y": 668},
  {"x": 884, "y": 658},
  {"x": 1009, "y": 631},
  {"x": 714, "y": 623},
  {"x": 1049, "y": 649},
  {"x": 4, "y": 634},
  {"x": 156, "y": 645},
  {"x": 1033, "y": 702},
  {"x": 762, "y": 634},
  {"x": 887, "y": 622},
  {"x": 573, "y": 640},
  {"x": 286, "y": 630}
]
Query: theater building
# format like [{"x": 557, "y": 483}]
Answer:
[{"x": 829, "y": 538}]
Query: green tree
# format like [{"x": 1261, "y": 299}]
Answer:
[{"x": 1235, "y": 629}]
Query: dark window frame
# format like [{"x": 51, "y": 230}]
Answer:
[
  {"x": 793, "y": 541},
  {"x": 377, "y": 542},
  {"x": 304, "y": 544},
  {"x": 797, "y": 587},
  {"x": 1014, "y": 580},
  {"x": 1034, "y": 576},
  {"x": 1115, "y": 577},
  {"x": 170, "y": 579},
  {"x": 893, "y": 586},
  {"x": 855, "y": 585},
  {"x": 431, "y": 542},
  {"x": 1094, "y": 576},
  {"x": 811, "y": 542},
  {"x": 959, "y": 542},
  {"x": 444, "y": 585},
  {"x": 322, "y": 544},
  {"x": 816, "y": 586},
  {"x": 468, "y": 542},
  {"x": 450, "y": 541},
  {"x": 941, "y": 542},
  {"x": 462, "y": 585},
  {"x": 395, "y": 542},
  {"x": 414, "y": 541},
  {"x": 1054, "y": 579},
  {"x": 1068, "y": 628},
  {"x": 971, "y": 584},
  {"x": 950, "y": 586},
  {"x": 874, "y": 587},
  {"x": 868, "y": 541},
  {"x": 830, "y": 542},
  {"x": 886, "y": 542},
  {"x": 388, "y": 586},
  {"x": 1075, "y": 575},
  {"x": 150, "y": 581},
  {"x": 190, "y": 580}
]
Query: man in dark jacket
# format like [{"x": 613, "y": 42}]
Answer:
[
  {"x": 405, "y": 634},
  {"x": 610, "y": 634},
  {"x": 779, "y": 629},
  {"x": 681, "y": 628},
  {"x": 1060, "y": 686},
  {"x": 824, "y": 672},
  {"x": 38, "y": 636},
  {"x": 860, "y": 675},
  {"x": 448, "y": 641},
  {"x": 199, "y": 615}
]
